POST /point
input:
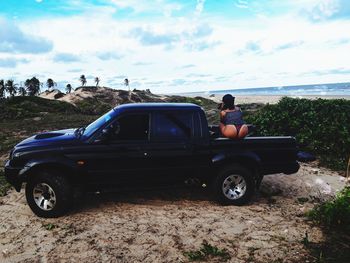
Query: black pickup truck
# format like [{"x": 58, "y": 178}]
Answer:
[{"x": 141, "y": 145}]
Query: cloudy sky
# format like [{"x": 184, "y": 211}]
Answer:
[{"x": 176, "y": 46}]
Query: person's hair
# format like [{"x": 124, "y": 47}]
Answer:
[{"x": 229, "y": 102}]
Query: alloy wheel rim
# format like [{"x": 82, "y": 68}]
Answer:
[
  {"x": 234, "y": 186},
  {"x": 44, "y": 196}
]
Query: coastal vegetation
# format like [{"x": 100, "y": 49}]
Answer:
[
  {"x": 320, "y": 126},
  {"x": 22, "y": 107},
  {"x": 4, "y": 186},
  {"x": 335, "y": 213},
  {"x": 334, "y": 218}
]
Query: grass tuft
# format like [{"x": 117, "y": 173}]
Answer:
[
  {"x": 207, "y": 252},
  {"x": 49, "y": 226}
]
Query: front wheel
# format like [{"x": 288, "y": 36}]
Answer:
[
  {"x": 234, "y": 185},
  {"x": 48, "y": 194}
]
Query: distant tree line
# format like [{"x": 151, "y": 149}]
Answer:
[{"x": 31, "y": 87}]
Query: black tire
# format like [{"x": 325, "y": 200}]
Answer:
[
  {"x": 59, "y": 185},
  {"x": 241, "y": 174}
]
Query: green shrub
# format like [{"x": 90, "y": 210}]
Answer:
[
  {"x": 24, "y": 107},
  {"x": 335, "y": 213},
  {"x": 334, "y": 216},
  {"x": 208, "y": 103},
  {"x": 93, "y": 106},
  {"x": 4, "y": 185},
  {"x": 206, "y": 252},
  {"x": 320, "y": 126}
]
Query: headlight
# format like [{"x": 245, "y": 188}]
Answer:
[
  {"x": 11, "y": 153},
  {"x": 14, "y": 155}
]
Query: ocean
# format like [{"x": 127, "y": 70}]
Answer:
[{"x": 333, "y": 89}]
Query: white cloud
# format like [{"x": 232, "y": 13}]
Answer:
[
  {"x": 107, "y": 55},
  {"x": 153, "y": 6},
  {"x": 66, "y": 58},
  {"x": 14, "y": 40},
  {"x": 11, "y": 62},
  {"x": 241, "y": 4},
  {"x": 199, "y": 7}
]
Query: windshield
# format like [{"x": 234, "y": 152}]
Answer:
[{"x": 92, "y": 127}]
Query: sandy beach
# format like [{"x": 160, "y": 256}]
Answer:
[{"x": 271, "y": 99}]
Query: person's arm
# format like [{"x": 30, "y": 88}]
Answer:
[{"x": 222, "y": 116}]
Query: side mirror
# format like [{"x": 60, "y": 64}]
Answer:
[
  {"x": 108, "y": 132},
  {"x": 115, "y": 128},
  {"x": 105, "y": 135}
]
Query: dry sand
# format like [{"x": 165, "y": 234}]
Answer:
[
  {"x": 160, "y": 226},
  {"x": 107, "y": 95}
]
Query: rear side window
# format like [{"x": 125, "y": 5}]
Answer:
[{"x": 173, "y": 126}]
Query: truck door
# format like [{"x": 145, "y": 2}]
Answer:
[
  {"x": 121, "y": 159},
  {"x": 171, "y": 153}
]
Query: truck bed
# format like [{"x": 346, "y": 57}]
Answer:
[{"x": 276, "y": 154}]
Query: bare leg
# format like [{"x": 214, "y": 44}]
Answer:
[
  {"x": 229, "y": 131},
  {"x": 243, "y": 131},
  {"x": 221, "y": 126}
]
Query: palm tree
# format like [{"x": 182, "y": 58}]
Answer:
[
  {"x": 68, "y": 88},
  {"x": 22, "y": 91},
  {"x": 97, "y": 80},
  {"x": 83, "y": 80},
  {"x": 2, "y": 88},
  {"x": 33, "y": 86},
  {"x": 126, "y": 83},
  {"x": 11, "y": 87},
  {"x": 50, "y": 83}
]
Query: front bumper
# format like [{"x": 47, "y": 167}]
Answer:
[{"x": 12, "y": 175}]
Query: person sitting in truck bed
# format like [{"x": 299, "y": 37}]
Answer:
[{"x": 231, "y": 122}]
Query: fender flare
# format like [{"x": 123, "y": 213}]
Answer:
[
  {"x": 53, "y": 163},
  {"x": 247, "y": 158}
]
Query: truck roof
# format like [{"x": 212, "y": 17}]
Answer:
[{"x": 157, "y": 105}]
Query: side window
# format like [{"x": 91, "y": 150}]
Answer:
[
  {"x": 131, "y": 127},
  {"x": 173, "y": 126}
]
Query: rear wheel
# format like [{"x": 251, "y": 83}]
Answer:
[
  {"x": 48, "y": 194},
  {"x": 234, "y": 185}
]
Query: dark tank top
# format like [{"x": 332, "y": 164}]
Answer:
[{"x": 234, "y": 118}]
